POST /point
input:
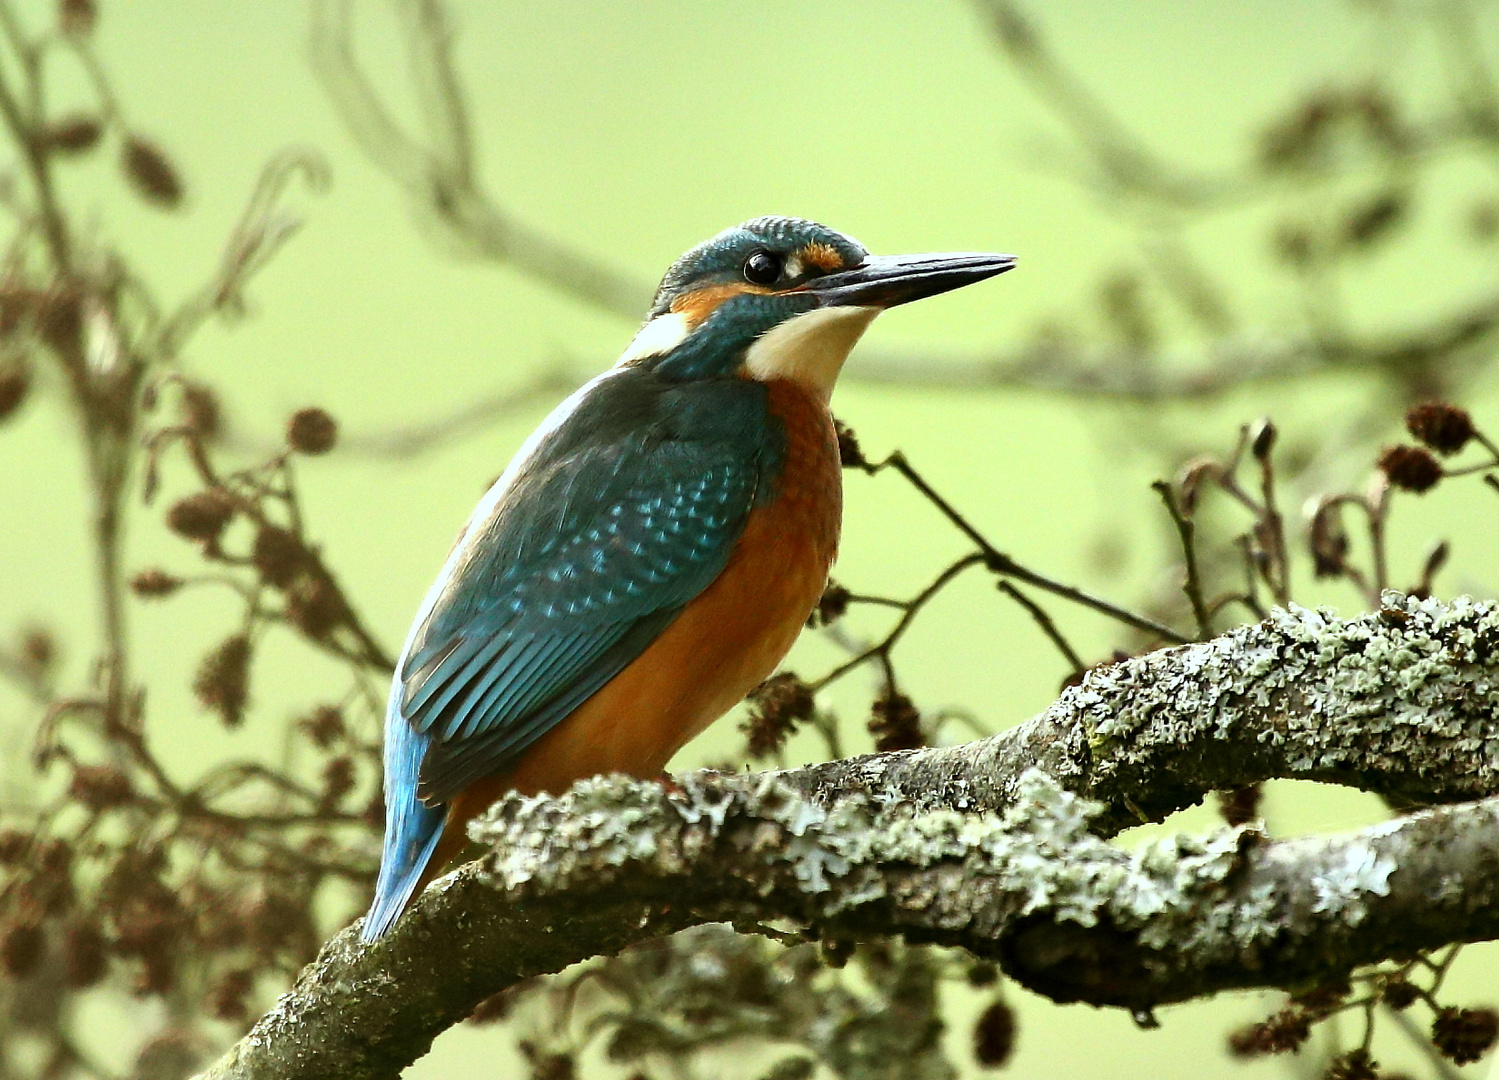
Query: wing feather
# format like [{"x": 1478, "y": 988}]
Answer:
[
  {"x": 455, "y": 767},
  {"x": 467, "y": 657},
  {"x": 623, "y": 514}
]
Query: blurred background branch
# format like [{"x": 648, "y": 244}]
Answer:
[{"x": 1338, "y": 134}]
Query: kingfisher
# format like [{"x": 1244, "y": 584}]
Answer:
[{"x": 652, "y": 550}]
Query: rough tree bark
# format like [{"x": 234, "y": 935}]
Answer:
[{"x": 999, "y": 846}]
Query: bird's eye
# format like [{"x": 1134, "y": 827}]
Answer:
[{"x": 762, "y": 268}]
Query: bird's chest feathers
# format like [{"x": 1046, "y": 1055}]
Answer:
[{"x": 799, "y": 525}]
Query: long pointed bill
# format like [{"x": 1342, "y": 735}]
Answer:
[{"x": 883, "y": 281}]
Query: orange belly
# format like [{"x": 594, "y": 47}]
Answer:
[{"x": 729, "y": 638}]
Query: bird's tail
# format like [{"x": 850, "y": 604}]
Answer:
[{"x": 412, "y": 828}]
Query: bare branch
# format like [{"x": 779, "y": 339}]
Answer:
[
  {"x": 411, "y": 440},
  {"x": 1073, "y": 370}
]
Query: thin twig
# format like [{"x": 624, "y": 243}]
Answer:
[
  {"x": 1000, "y": 563},
  {"x": 912, "y": 608},
  {"x": 1048, "y": 627},
  {"x": 1192, "y": 584}
]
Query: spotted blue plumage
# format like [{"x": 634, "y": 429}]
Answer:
[{"x": 626, "y": 510}]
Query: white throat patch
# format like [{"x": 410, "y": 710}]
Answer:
[{"x": 810, "y": 348}]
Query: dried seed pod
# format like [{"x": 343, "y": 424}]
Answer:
[
  {"x": 1262, "y": 441},
  {"x": 1398, "y": 992},
  {"x": 1410, "y": 468},
  {"x": 72, "y": 135},
  {"x": 895, "y": 722},
  {"x": 1283, "y": 1031},
  {"x": 1443, "y": 427},
  {"x": 202, "y": 516},
  {"x": 311, "y": 431},
  {"x": 849, "y": 452},
  {"x": 278, "y": 555},
  {"x": 1435, "y": 560},
  {"x": 546, "y": 1065},
  {"x": 994, "y": 1035},
  {"x": 982, "y": 973},
  {"x": 1191, "y": 479},
  {"x": 151, "y": 172},
  {"x": 100, "y": 787},
  {"x": 315, "y": 607},
  {"x": 338, "y": 780},
  {"x": 1328, "y": 539},
  {"x": 494, "y": 1008},
  {"x": 154, "y": 583},
  {"x": 222, "y": 683},
  {"x": 831, "y": 607},
  {"x": 1354, "y": 1065},
  {"x": 1464, "y": 1035},
  {"x": 324, "y": 725},
  {"x": 777, "y": 706},
  {"x": 1324, "y": 999}
]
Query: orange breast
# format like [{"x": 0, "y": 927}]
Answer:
[{"x": 722, "y": 644}]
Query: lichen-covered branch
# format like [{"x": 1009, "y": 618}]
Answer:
[
  {"x": 616, "y": 862},
  {"x": 1402, "y": 702},
  {"x": 999, "y": 846}
]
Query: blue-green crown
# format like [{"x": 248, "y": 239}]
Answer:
[{"x": 722, "y": 258}]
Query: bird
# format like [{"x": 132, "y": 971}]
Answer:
[{"x": 653, "y": 549}]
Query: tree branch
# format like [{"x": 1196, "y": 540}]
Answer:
[{"x": 999, "y": 846}]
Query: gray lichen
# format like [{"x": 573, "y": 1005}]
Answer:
[
  {"x": 966, "y": 875},
  {"x": 1403, "y": 701}
]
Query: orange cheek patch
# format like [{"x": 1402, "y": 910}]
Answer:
[
  {"x": 700, "y": 303},
  {"x": 822, "y": 256}
]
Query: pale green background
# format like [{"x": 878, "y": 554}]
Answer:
[{"x": 635, "y": 130}]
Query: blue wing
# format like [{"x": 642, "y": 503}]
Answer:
[
  {"x": 591, "y": 559},
  {"x": 622, "y": 513}
]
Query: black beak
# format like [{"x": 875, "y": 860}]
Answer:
[{"x": 883, "y": 281}]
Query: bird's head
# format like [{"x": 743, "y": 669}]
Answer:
[{"x": 783, "y": 298}]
